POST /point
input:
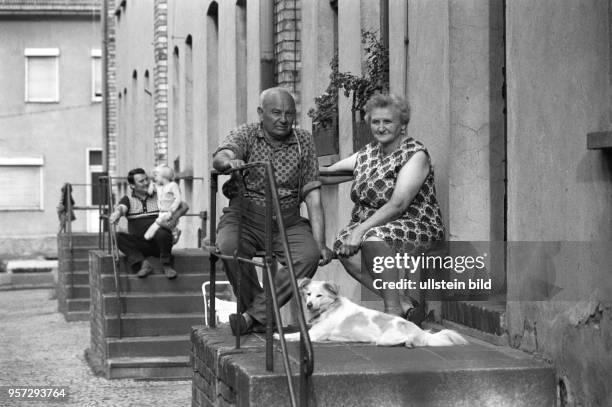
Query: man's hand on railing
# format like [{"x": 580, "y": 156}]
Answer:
[
  {"x": 226, "y": 160},
  {"x": 232, "y": 164},
  {"x": 114, "y": 217}
]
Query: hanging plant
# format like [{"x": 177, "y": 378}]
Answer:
[{"x": 359, "y": 88}]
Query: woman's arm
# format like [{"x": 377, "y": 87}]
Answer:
[
  {"x": 409, "y": 181},
  {"x": 338, "y": 172},
  {"x": 346, "y": 164}
]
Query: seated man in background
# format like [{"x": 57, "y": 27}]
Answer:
[
  {"x": 293, "y": 157},
  {"x": 141, "y": 211}
]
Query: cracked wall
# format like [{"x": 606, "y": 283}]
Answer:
[{"x": 558, "y": 91}]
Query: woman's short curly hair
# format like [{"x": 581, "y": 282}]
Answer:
[{"x": 381, "y": 100}]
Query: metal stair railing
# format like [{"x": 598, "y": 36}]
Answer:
[
  {"x": 66, "y": 223},
  {"x": 269, "y": 266},
  {"x": 114, "y": 251},
  {"x": 68, "y": 230},
  {"x": 106, "y": 190}
]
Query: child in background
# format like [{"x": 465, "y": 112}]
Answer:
[{"x": 168, "y": 199}]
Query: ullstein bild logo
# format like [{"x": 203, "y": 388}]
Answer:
[{"x": 410, "y": 263}]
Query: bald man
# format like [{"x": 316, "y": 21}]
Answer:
[{"x": 294, "y": 160}]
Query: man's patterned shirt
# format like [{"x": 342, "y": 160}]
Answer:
[{"x": 294, "y": 161}]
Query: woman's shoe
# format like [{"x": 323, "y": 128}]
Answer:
[{"x": 416, "y": 314}]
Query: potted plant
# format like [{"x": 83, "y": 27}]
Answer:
[
  {"x": 325, "y": 115},
  {"x": 358, "y": 87}
]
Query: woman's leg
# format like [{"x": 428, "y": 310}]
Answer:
[
  {"x": 394, "y": 300},
  {"x": 353, "y": 267}
]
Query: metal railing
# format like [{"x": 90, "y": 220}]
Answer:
[
  {"x": 104, "y": 214},
  {"x": 107, "y": 234},
  {"x": 269, "y": 266},
  {"x": 66, "y": 221},
  {"x": 121, "y": 185},
  {"x": 114, "y": 250},
  {"x": 105, "y": 207}
]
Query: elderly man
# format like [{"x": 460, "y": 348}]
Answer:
[
  {"x": 141, "y": 211},
  {"x": 292, "y": 154}
]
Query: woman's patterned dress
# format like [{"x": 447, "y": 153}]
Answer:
[{"x": 375, "y": 177}]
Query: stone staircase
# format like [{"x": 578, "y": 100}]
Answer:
[
  {"x": 350, "y": 374},
  {"x": 156, "y": 319},
  {"x": 72, "y": 288}
]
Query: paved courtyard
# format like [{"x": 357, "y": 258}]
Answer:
[{"x": 38, "y": 348}]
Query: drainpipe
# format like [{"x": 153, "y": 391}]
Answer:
[
  {"x": 266, "y": 42},
  {"x": 105, "y": 138}
]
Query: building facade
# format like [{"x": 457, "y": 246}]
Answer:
[
  {"x": 503, "y": 94},
  {"x": 50, "y": 117}
]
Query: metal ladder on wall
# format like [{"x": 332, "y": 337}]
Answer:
[{"x": 269, "y": 267}]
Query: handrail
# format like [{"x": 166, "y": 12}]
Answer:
[
  {"x": 203, "y": 215},
  {"x": 68, "y": 226},
  {"x": 269, "y": 265},
  {"x": 334, "y": 177},
  {"x": 114, "y": 249}
]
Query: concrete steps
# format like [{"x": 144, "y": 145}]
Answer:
[
  {"x": 78, "y": 304},
  {"x": 145, "y": 346},
  {"x": 77, "y": 316},
  {"x": 81, "y": 264},
  {"x": 171, "y": 367},
  {"x": 155, "y": 283},
  {"x": 478, "y": 374},
  {"x": 77, "y": 277},
  {"x": 79, "y": 291},
  {"x": 153, "y": 303},
  {"x": 72, "y": 287},
  {"x": 138, "y": 325},
  {"x": 157, "y": 315}
]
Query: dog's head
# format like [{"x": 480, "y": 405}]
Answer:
[{"x": 317, "y": 295}]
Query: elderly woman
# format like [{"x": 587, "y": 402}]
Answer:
[{"x": 395, "y": 210}]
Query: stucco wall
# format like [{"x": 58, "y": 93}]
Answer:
[
  {"x": 558, "y": 91},
  {"x": 134, "y": 52},
  {"x": 61, "y": 132},
  {"x": 428, "y": 86}
]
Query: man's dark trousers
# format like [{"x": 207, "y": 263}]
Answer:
[
  {"x": 304, "y": 251},
  {"x": 137, "y": 248}
]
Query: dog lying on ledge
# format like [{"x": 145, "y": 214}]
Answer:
[{"x": 335, "y": 318}]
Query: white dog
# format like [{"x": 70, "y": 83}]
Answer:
[{"x": 337, "y": 319}]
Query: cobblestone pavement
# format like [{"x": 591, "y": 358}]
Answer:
[{"x": 39, "y": 348}]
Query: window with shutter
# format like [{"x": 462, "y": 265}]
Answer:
[
  {"x": 21, "y": 183},
  {"x": 96, "y": 75},
  {"x": 42, "y": 75}
]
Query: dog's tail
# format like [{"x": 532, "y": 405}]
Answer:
[{"x": 445, "y": 337}]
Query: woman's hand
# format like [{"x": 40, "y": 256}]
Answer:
[{"x": 351, "y": 243}]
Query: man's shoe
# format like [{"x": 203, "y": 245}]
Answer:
[
  {"x": 169, "y": 272},
  {"x": 145, "y": 269},
  {"x": 239, "y": 325},
  {"x": 260, "y": 328},
  {"x": 176, "y": 235}
]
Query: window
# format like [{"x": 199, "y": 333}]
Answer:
[
  {"x": 21, "y": 183},
  {"x": 95, "y": 195},
  {"x": 42, "y": 75},
  {"x": 96, "y": 75}
]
